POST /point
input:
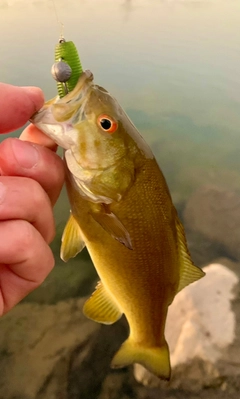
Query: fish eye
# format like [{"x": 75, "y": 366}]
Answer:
[{"x": 107, "y": 124}]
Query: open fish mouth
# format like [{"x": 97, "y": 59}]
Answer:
[
  {"x": 58, "y": 116},
  {"x": 63, "y": 108}
]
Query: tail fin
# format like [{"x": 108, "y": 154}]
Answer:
[{"x": 155, "y": 359}]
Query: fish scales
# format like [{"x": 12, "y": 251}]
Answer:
[
  {"x": 151, "y": 249},
  {"x": 121, "y": 209},
  {"x": 151, "y": 256}
]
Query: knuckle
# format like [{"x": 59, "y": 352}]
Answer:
[
  {"x": 51, "y": 232},
  {"x": 45, "y": 265},
  {"x": 55, "y": 180},
  {"x": 42, "y": 209},
  {"x": 26, "y": 240},
  {"x": 35, "y": 249},
  {"x": 39, "y": 196}
]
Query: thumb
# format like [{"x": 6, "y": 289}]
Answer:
[{"x": 17, "y": 105}]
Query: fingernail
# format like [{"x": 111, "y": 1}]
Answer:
[
  {"x": 35, "y": 94},
  {"x": 25, "y": 153},
  {"x": 2, "y": 192}
]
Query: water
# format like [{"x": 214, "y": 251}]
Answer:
[{"x": 173, "y": 65}]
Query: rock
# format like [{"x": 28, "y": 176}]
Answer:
[
  {"x": 215, "y": 213},
  {"x": 36, "y": 346},
  {"x": 89, "y": 369},
  {"x": 200, "y": 322},
  {"x": 203, "y": 251},
  {"x": 118, "y": 385},
  {"x": 77, "y": 278},
  {"x": 55, "y": 352},
  {"x": 201, "y": 330}
]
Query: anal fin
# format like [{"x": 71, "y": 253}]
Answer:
[
  {"x": 72, "y": 241},
  {"x": 100, "y": 307}
]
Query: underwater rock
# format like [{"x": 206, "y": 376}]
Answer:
[
  {"x": 215, "y": 213},
  {"x": 203, "y": 251},
  {"x": 76, "y": 279},
  {"x": 36, "y": 346},
  {"x": 55, "y": 352},
  {"x": 202, "y": 328},
  {"x": 90, "y": 367}
]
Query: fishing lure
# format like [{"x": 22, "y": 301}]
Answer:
[{"x": 67, "y": 67}]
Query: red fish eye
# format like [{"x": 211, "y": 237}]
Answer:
[{"x": 107, "y": 124}]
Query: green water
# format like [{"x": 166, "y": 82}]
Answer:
[{"x": 174, "y": 67}]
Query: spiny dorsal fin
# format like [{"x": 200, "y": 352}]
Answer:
[
  {"x": 188, "y": 271},
  {"x": 101, "y": 307},
  {"x": 72, "y": 241}
]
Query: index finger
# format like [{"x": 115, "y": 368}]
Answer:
[
  {"x": 17, "y": 105},
  {"x": 34, "y": 135}
]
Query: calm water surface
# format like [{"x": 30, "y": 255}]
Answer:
[{"x": 173, "y": 65}]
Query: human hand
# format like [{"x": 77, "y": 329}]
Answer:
[{"x": 31, "y": 178}]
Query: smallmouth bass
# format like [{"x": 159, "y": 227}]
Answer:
[{"x": 121, "y": 209}]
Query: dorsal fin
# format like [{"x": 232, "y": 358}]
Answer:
[{"x": 188, "y": 271}]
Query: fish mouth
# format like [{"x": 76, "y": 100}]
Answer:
[
  {"x": 74, "y": 98},
  {"x": 57, "y": 117}
]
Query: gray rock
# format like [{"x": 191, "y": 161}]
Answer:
[
  {"x": 36, "y": 346},
  {"x": 203, "y": 250},
  {"x": 77, "y": 278},
  {"x": 215, "y": 213},
  {"x": 90, "y": 367},
  {"x": 55, "y": 352}
]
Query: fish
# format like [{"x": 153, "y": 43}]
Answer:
[{"x": 122, "y": 211}]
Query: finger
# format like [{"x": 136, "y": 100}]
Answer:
[
  {"x": 25, "y": 261},
  {"x": 17, "y": 105},
  {"x": 34, "y": 135},
  {"x": 24, "y": 198},
  {"x": 20, "y": 158}
]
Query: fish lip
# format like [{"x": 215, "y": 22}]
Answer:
[
  {"x": 44, "y": 115},
  {"x": 37, "y": 116},
  {"x": 47, "y": 118},
  {"x": 85, "y": 78}
]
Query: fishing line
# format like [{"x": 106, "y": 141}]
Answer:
[
  {"x": 58, "y": 21},
  {"x": 67, "y": 67}
]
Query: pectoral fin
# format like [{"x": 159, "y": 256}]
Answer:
[
  {"x": 112, "y": 225},
  {"x": 100, "y": 307},
  {"x": 72, "y": 241},
  {"x": 188, "y": 271}
]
